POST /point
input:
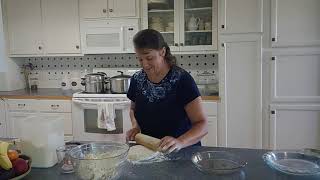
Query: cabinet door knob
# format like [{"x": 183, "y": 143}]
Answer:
[
  {"x": 104, "y": 10},
  {"x": 77, "y": 46},
  {"x": 130, "y": 29},
  {"x": 39, "y": 47},
  {"x": 222, "y": 26},
  {"x": 110, "y": 10},
  {"x": 181, "y": 44},
  {"x": 273, "y": 39},
  {"x": 176, "y": 44}
]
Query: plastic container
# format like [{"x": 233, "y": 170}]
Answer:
[
  {"x": 207, "y": 83},
  {"x": 40, "y": 137}
]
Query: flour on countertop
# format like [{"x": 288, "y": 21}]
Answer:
[{"x": 139, "y": 154}]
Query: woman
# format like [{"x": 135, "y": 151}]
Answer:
[{"x": 165, "y": 101}]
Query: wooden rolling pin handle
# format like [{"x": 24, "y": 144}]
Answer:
[{"x": 148, "y": 141}]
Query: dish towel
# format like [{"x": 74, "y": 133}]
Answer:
[{"x": 106, "y": 116}]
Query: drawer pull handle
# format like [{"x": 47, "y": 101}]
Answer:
[{"x": 54, "y": 106}]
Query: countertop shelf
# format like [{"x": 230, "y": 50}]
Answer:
[
  {"x": 56, "y": 93},
  {"x": 181, "y": 167},
  {"x": 41, "y": 93}
]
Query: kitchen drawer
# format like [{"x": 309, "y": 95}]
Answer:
[
  {"x": 54, "y": 106},
  {"x": 22, "y": 105},
  {"x": 210, "y": 108}
]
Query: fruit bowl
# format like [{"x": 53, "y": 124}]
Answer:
[{"x": 28, "y": 159}]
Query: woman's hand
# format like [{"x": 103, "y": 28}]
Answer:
[
  {"x": 132, "y": 133},
  {"x": 169, "y": 144}
]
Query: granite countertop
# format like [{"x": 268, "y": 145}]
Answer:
[
  {"x": 41, "y": 93},
  {"x": 57, "y": 93},
  {"x": 181, "y": 168}
]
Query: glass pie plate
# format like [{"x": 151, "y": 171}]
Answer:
[
  {"x": 218, "y": 162},
  {"x": 293, "y": 162}
]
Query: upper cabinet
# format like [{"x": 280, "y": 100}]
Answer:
[
  {"x": 243, "y": 16},
  {"x": 61, "y": 30},
  {"x": 35, "y": 27},
  {"x": 122, "y": 8},
  {"x": 24, "y": 27},
  {"x": 295, "y": 23},
  {"x": 186, "y": 25},
  {"x": 108, "y": 8}
]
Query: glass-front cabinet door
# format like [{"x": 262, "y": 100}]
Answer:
[
  {"x": 161, "y": 15},
  {"x": 186, "y": 25},
  {"x": 198, "y": 22}
]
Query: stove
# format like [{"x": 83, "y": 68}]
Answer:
[
  {"x": 100, "y": 95},
  {"x": 110, "y": 73},
  {"x": 86, "y": 108}
]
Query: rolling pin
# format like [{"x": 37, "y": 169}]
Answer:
[{"x": 148, "y": 141}]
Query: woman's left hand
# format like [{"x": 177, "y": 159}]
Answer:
[{"x": 169, "y": 144}]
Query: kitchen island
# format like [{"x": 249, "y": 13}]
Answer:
[{"x": 181, "y": 168}]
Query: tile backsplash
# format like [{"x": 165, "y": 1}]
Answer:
[{"x": 49, "y": 71}]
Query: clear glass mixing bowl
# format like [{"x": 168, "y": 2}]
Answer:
[{"x": 99, "y": 160}]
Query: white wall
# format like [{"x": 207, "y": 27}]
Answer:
[
  {"x": 10, "y": 77},
  {"x": 3, "y": 65}
]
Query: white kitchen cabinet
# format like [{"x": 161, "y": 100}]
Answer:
[
  {"x": 295, "y": 77},
  {"x": 108, "y": 8},
  {"x": 24, "y": 27},
  {"x": 210, "y": 110},
  {"x": 43, "y": 27},
  {"x": 3, "y": 125},
  {"x": 61, "y": 30},
  {"x": 15, "y": 120},
  {"x": 294, "y": 126},
  {"x": 23, "y": 109},
  {"x": 241, "y": 91},
  {"x": 295, "y": 23},
  {"x": 211, "y": 138},
  {"x": 122, "y": 8},
  {"x": 173, "y": 19},
  {"x": 243, "y": 16},
  {"x": 93, "y": 8}
]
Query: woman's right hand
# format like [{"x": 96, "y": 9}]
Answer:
[{"x": 132, "y": 133}]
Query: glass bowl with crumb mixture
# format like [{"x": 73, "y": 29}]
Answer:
[{"x": 95, "y": 161}]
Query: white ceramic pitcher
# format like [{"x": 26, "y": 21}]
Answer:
[{"x": 193, "y": 23}]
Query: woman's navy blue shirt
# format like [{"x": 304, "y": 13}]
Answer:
[{"x": 159, "y": 107}]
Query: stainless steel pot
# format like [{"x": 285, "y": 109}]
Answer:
[
  {"x": 94, "y": 82},
  {"x": 120, "y": 84}
]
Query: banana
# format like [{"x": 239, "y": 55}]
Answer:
[
  {"x": 4, "y": 148},
  {"x": 5, "y": 162}
]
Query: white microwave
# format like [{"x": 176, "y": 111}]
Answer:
[{"x": 108, "y": 36}]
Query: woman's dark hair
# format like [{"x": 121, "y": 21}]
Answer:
[{"x": 152, "y": 39}]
